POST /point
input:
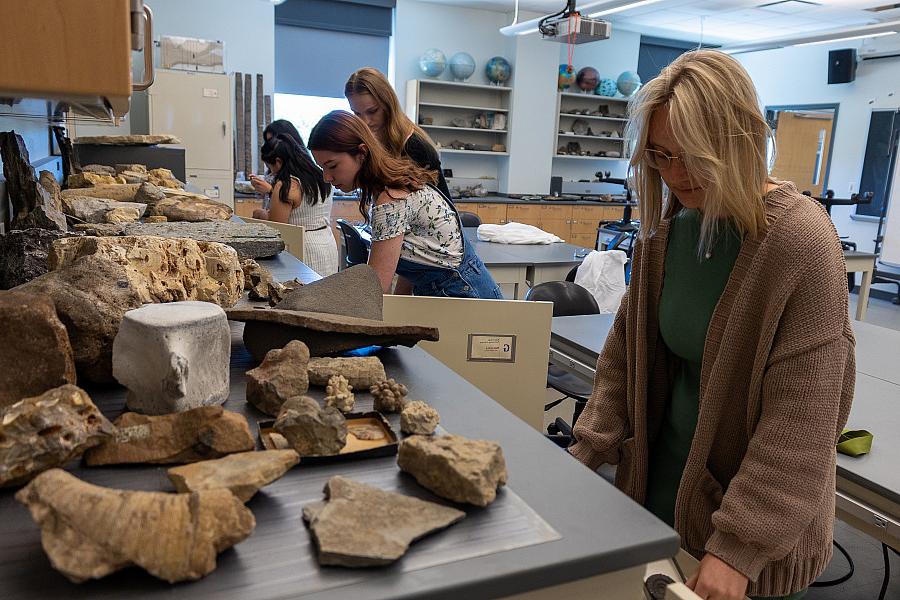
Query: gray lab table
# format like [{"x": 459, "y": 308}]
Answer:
[
  {"x": 591, "y": 529},
  {"x": 868, "y": 487}
]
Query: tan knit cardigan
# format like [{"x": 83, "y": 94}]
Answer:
[{"x": 776, "y": 385}]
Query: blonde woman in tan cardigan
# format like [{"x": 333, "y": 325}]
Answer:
[{"x": 729, "y": 371}]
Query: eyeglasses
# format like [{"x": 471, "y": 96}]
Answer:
[{"x": 660, "y": 160}]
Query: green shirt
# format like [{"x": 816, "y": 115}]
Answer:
[{"x": 692, "y": 285}]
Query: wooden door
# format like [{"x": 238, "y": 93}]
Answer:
[
  {"x": 524, "y": 213},
  {"x": 492, "y": 213},
  {"x": 802, "y": 145}
]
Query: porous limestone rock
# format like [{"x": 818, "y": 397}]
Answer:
[
  {"x": 89, "y": 531},
  {"x": 86, "y": 179},
  {"x": 419, "y": 418},
  {"x": 250, "y": 240},
  {"x": 361, "y": 372},
  {"x": 310, "y": 429},
  {"x": 48, "y": 431},
  {"x": 162, "y": 269},
  {"x": 281, "y": 375},
  {"x": 23, "y": 254},
  {"x": 164, "y": 178},
  {"x": 100, "y": 229},
  {"x": 389, "y": 396},
  {"x": 123, "y": 214},
  {"x": 244, "y": 473},
  {"x": 97, "y": 210},
  {"x": 173, "y": 357},
  {"x": 197, "y": 434},
  {"x": 454, "y": 467},
  {"x": 123, "y": 192},
  {"x": 360, "y": 525},
  {"x": 91, "y": 296},
  {"x": 34, "y": 348},
  {"x": 339, "y": 394}
]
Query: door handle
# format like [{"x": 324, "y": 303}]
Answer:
[
  {"x": 148, "y": 52},
  {"x": 223, "y": 128}
]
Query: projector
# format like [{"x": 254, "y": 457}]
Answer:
[{"x": 581, "y": 29}]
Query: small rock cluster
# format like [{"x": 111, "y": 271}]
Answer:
[
  {"x": 339, "y": 393},
  {"x": 389, "y": 396}
]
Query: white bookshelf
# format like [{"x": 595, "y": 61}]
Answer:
[
  {"x": 606, "y": 126},
  {"x": 449, "y": 111}
]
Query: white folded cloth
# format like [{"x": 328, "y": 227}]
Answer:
[
  {"x": 515, "y": 233},
  {"x": 603, "y": 274}
]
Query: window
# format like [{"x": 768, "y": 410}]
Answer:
[{"x": 305, "y": 111}]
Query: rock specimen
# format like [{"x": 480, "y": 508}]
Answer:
[
  {"x": 51, "y": 185},
  {"x": 418, "y": 418},
  {"x": 99, "y": 169},
  {"x": 454, "y": 467},
  {"x": 361, "y": 372},
  {"x": 339, "y": 394},
  {"x": 281, "y": 375},
  {"x": 310, "y": 429},
  {"x": 34, "y": 348},
  {"x": 173, "y": 357},
  {"x": 278, "y": 290},
  {"x": 128, "y": 140},
  {"x": 97, "y": 210},
  {"x": 86, "y": 179},
  {"x": 243, "y": 473},
  {"x": 363, "y": 526},
  {"x": 185, "y": 206},
  {"x": 366, "y": 432},
  {"x": 250, "y": 240},
  {"x": 91, "y": 296},
  {"x": 32, "y": 205},
  {"x": 48, "y": 431},
  {"x": 155, "y": 219},
  {"x": 198, "y": 434},
  {"x": 123, "y": 192},
  {"x": 164, "y": 178},
  {"x": 89, "y": 531},
  {"x": 257, "y": 280},
  {"x": 23, "y": 254},
  {"x": 389, "y": 396},
  {"x": 100, "y": 229},
  {"x": 162, "y": 269},
  {"x": 353, "y": 292}
]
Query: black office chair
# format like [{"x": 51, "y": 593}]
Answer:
[
  {"x": 356, "y": 249},
  {"x": 469, "y": 219},
  {"x": 569, "y": 299}
]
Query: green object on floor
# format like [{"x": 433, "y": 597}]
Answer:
[{"x": 855, "y": 442}]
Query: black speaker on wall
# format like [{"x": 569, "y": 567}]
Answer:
[{"x": 842, "y": 65}]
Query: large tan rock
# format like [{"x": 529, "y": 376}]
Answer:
[
  {"x": 454, "y": 467},
  {"x": 281, "y": 375},
  {"x": 361, "y": 372},
  {"x": 193, "y": 209},
  {"x": 164, "y": 178},
  {"x": 48, "y": 431},
  {"x": 89, "y": 531},
  {"x": 163, "y": 269},
  {"x": 87, "y": 179},
  {"x": 198, "y": 434},
  {"x": 363, "y": 526},
  {"x": 243, "y": 473},
  {"x": 115, "y": 191},
  {"x": 310, "y": 429},
  {"x": 101, "y": 210},
  {"x": 35, "y": 353}
]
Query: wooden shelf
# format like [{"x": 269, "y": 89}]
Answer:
[
  {"x": 452, "y": 128},
  {"x": 588, "y": 157},
  {"x": 463, "y": 107},
  {"x": 595, "y": 117},
  {"x": 592, "y": 97},
  {"x": 481, "y": 152},
  {"x": 476, "y": 86},
  {"x": 591, "y": 137}
]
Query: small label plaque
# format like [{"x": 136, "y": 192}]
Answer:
[{"x": 489, "y": 347}]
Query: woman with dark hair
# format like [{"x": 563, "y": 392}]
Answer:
[
  {"x": 300, "y": 196},
  {"x": 262, "y": 184},
  {"x": 373, "y": 100},
  {"x": 416, "y": 231}
]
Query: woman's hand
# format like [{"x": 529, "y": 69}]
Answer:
[
  {"x": 260, "y": 185},
  {"x": 716, "y": 580}
]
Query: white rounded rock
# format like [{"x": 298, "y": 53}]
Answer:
[{"x": 173, "y": 357}]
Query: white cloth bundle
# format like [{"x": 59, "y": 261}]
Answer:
[
  {"x": 515, "y": 233},
  {"x": 603, "y": 275}
]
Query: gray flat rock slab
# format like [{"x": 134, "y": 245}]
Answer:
[{"x": 250, "y": 240}]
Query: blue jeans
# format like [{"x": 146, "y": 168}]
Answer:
[{"x": 470, "y": 279}]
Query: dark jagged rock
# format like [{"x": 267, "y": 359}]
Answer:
[
  {"x": 23, "y": 254},
  {"x": 32, "y": 204}
]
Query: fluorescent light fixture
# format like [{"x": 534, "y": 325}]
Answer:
[
  {"x": 626, "y": 6},
  {"x": 852, "y": 37},
  {"x": 604, "y": 7},
  {"x": 819, "y": 37}
]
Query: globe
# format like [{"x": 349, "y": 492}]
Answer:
[
  {"x": 628, "y": 83},
  {"x": 606, "y": 87},
  {"x": 498, "y": 70},
  {"x": 587, "y": 79},
  {"x": 462, "y": 65},
  {"x": 566, "y": 77},
  {"x": 432, "y": 62}
]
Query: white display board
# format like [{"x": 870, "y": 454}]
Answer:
[{"x": 890, "y": 253}]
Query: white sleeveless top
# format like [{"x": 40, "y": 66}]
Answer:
[{"x": 311, "y": 217}]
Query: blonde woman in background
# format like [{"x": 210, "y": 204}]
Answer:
[
  {"x": 729, "y": 372},
  {"x": 373, "y": 100}
]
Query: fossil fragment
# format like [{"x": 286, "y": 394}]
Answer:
[
  {"x": 281, "y": 375},
  {"x": 244, "y": 473},
  {"x": 310, "y": 429},
  {"x": 361, "y": 372},
  {"x": 418, "y": 418},
  {"x": 389, "y": 395},
  {"x": 339, "y": 394}
]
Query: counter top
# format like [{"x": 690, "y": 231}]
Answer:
[{"x": 499, "y": 199}]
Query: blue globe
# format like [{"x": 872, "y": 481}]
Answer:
[
  {"x": 606, "y": 87},
  {"x": 498, "y": 70},
  {"x": 432, "y": 62},
  {"x": 462, "y": 65},
  {"x": 628, "y": 83}
]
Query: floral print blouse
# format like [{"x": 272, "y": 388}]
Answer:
[{"x": 428, "y": 224}]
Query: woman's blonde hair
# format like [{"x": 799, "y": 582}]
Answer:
[
  {"x": 397, "y": 126},
  {"x": 714, "y": 116}
]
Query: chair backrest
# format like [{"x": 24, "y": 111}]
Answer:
[
  {"x": 570, "y": 276},
  {"x": 357, "y": 251},
  {"x": 568, "y": 298},
  {"x": 469, "y": 219}
]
